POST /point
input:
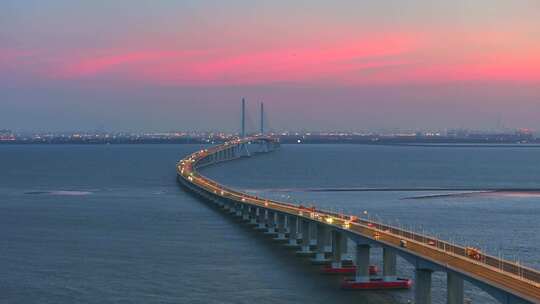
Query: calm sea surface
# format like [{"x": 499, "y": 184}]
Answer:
[{"x": 109, "y": 224}]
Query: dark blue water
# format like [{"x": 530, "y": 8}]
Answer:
[{"x": 109, "y": 224}]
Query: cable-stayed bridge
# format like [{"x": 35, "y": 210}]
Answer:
[{"x": 324, "y": 236}]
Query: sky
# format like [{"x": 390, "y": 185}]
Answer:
[{"x": 137, "y": 65}]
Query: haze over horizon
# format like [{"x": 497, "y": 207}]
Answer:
[{"x": 345, "y": 65}]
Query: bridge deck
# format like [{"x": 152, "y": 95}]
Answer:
[{"x": 513, "y": 278}]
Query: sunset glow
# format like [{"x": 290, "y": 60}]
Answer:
[
  {"x": 399, "y": 58},
  {"x": 247, "y": 47}
]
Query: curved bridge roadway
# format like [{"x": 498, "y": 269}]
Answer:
[{"x": 506, "y": 281}]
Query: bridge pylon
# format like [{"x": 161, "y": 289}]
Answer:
[{"x": 242, "y": 149}]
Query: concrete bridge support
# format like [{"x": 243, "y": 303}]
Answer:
[
  {"x": 345, "y": 256},
  {"x": 293, "y": 231},
  {"x": 313, "y": 234},
  {"x": 336, "y": 249},
  {"x": 243, "y": 150},
  {"x": 220, "y": 203},
  {"x": 238, "y": 210},
  {"x": 245, "y": 213},
  {"x": 422, "y": 289},
  {"x": 226, "y": 205},
  {"x": 323, "y": 244},
  {"x": 253, "y": 215},
  {"x": 223, "y": 205},
  {"x": 280, "y": 229},
  {"x": 230, "y": 207},
  {"x": 270, "y": 222},
  {"x": 261, "y": 219},
  {"x": 362, "y": 263},
  {"x": 389, "y": 264},
  {"x": 454, "y": 288},
  {"x": 305, "y": 249}
]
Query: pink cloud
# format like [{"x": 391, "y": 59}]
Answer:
[
  {"x": 84, "y": 66},
  {"x": 226, "y": 67},
  {"x": 305, "y": 63},
  {"x": 387, "y": 59},
  {"x": 14, "y": 57},
  {"x": 493, "y": 67},
  {"x": 285, "y": 65}
]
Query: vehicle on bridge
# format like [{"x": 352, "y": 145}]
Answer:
[{"x": 473, "y": 253}]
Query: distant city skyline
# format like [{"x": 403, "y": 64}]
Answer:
[
  {"x": 343, "y": 65},
  {"x": 454, "y": 133}
]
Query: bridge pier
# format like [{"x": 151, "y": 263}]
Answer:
[
  {"x": 253, "y": 215},
  {"x": 232, "y": 208},
  {"x": 345, "y": 256},
  {"x": 336, "y": 249},
  {"x": 280, "y": 227},
  {"x": 224, "y": 204},
  {"x": 271, "y": 222},
  {"x": 362, "y": 262},
  {"x": 243, "y": 150},
  {"x": 238, "y": 210},
  {"x": 293, "y": 231},
  {"x": 220, "y": 203},
  {"x": 312, "y": 234},
  {"x": 389, "y": 264},
  {"x": 454, "y": 288},
  {"x": 261, "y": 219},
  {"x": 422, "y": 289},
  {"x": 305, "y": 249},
  {"x": 287, "y": 224},
  {"x": 243, "y": 212},
  {"x": 323, "y": 244},
  {"x": 229, "y": 207}
]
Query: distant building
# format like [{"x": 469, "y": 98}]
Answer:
[{"x": 6, "y": 135}]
